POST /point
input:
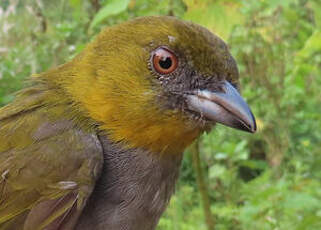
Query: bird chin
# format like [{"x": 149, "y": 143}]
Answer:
[
  {"x": 209, "y": 126},
  {"x": 199, "y": 121}
]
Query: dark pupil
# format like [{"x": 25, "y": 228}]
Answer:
[{"x": 166, "y": 64}]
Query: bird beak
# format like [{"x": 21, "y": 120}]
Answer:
[{"x": 226, "y": 107}]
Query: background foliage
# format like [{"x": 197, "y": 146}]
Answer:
[{"x": 271, "y": 180}]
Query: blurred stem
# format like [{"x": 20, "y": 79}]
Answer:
[
  {"x": 171, "y": 11},
  {"x": 63, "y": 5},
  {"x": 202, "y": 186},
  {"x": 41, "y": 16},
  {"x": 96, "y": 5}
]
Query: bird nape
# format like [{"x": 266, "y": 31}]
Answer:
[{"x": 97, "y": 142}]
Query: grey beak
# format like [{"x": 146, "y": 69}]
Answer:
[{"x": 227, "y": 107}]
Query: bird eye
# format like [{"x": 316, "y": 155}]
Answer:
[{"x": 164, "y": 61}]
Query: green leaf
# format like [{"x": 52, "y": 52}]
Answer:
[
  {"x": 6, "y": 99},
  {"x": 75, "y": 3},
  {"x": 312, "y": 45},
  {"x": 216, "y": 171},
  {"x": 112, "y": 7},
  {"x": 218, "y": 16},
  {"x": 316, "y": 6},
  {"x": 220, "y": 156},
  {"x": 302, "y": 201}
]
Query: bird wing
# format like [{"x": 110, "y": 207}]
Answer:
[{"x": 48, "y": 169}]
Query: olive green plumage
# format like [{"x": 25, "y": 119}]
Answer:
[
  {"x": 97, "y": 142},
  {"x": 43, "y": 157}
]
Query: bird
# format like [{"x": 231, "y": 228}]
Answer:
[{"x": 97, "y": 142}]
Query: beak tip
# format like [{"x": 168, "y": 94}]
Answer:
[
  {"x": 253, "y": 130},
  {"x": 252, "y": 125},
  {"x": 247, "y": 127}
]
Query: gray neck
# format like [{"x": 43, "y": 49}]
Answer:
[{"x": 133, "y": 191}]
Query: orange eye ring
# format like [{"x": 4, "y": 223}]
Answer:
[{"x": 164, "y": 61}]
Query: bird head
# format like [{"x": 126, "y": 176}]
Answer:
[{"x": 157, "y": 83}]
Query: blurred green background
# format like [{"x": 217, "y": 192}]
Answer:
[{"x": 270, "y": 180}]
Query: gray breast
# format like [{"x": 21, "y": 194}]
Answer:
[{"x": 133, "y": 190}]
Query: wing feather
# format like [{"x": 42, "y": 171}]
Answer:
[{"x": 46, "y": 181}]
